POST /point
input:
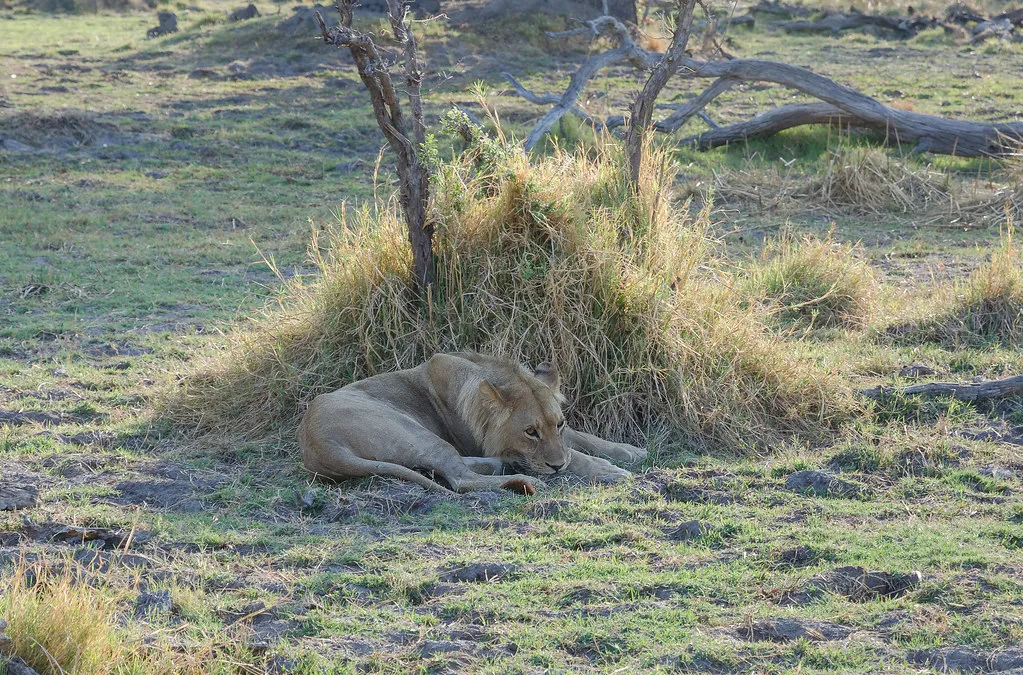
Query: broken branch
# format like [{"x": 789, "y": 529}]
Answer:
[{"x": 1009, "y": 386}]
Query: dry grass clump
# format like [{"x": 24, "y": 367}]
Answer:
[
  {"x": 983, "y": 309},
  {"x": 847, "y": 178},
  {"x": 36, "y": 129},
  {"x": 555, "y": 259},
  {"x": 58, "y": 623},
  {"x": 870, "y": 180},
  {"x": 815, "y": 283},
  {"x": 66, "y": 620}
]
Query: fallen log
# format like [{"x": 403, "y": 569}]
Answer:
[
  {"x": 837, "y": 22},
  {"x": 1010, "y": 386},
  {"x": 930, "y": 133},
  {"x": 837, "y": 104}
]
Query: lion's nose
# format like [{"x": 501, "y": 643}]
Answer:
[{"x": 556, "y": 467}]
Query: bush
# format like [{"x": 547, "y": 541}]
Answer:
[
  {"x": 815, "y": 283},
  {"x": 556, "y": 259}
]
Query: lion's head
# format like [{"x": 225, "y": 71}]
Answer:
[{"x": 523, "y": 423}]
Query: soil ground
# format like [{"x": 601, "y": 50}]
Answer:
[{"x": 145, "y": 182}]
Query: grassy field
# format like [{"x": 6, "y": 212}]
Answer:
[{"x": 162, "y": 176}]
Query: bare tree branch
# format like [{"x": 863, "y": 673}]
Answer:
[
  {"x": 684, "y": 112},
  {"x": 414, "y": 179},
  {"x": 642, "y": 109},
  {"x": 626, "y": 51}
]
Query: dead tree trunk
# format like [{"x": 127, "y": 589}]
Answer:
[
  {"x": 642, "y": 110},
  {"x": 849, "y": 107},
  {"x": 414, "y": 179},
  {"x": 1010, "y": 386},
  {"x": 837, "y": 104}
]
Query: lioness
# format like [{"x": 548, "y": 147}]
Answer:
[{"x": 462, "y": 416}]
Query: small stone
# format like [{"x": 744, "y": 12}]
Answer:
[
  {"x": 152, "y": 603},
  {"x": 14, "y": 496},
  {"x": 243, "y": 13},
  {"x": 690, "y": 530},
  {"x": 6, "y": 643},
  {"x": 915, "y": 370},
  {"x": 307, "y": 500},
  {"x": 168, "y": 24},
  {"x": 820, "y": 483},
  {"x": 15, "y": 666}
]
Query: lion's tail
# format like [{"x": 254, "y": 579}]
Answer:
[{"x": 378, "y": 468}]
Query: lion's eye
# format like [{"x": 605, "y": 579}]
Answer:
[{"x": 532, "y": 433}]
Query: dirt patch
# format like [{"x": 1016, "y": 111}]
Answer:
[
  {"x": 480, "y": 573},
  {"x": 173, "y": 495},
  {"x": 966, "y": 660},
  {"x": 14, "y": 496},
  {"x": 549, "y": 509},
  {"x": 788, "y": 629},
  {"x": 62, "y": 129},
  {"x": 98, "y": 538},
  {"x": 821, "y": 484},
  {"x": 857, "y": 584},
  {"x": 799, "y": 556},
  {"x": 389, "y": 501}
]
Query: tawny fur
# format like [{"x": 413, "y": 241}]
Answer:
[{"x": 464, "y": 417}]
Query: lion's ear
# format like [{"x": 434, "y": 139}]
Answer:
[
  {"x": 492, "y": 395},
  {"x": 548, "y": 374}
]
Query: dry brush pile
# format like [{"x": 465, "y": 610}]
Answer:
[{"x": 551, "y": 258}]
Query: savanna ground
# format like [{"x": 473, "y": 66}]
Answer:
[{"x": 162, "y": 174}]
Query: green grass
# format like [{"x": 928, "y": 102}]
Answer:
[{"x": 122, "y": 267}]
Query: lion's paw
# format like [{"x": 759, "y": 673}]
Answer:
[
  {"x": 611, "y": 476},
  {"x": 630, "y": 454}
]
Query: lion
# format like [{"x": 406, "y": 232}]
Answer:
[{"x": 463, "y": 417}]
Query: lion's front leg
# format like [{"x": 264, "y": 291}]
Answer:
[
  {"x": 598, "y": 447},
  {"x": 594, "y": 468}
]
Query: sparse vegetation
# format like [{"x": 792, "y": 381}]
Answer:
[
  {"x": 983, "y": 309},
  {"x": 58, "y": 622}
]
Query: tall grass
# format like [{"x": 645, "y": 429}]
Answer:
[
  {"x": 66, "y": 620},
  {"x": 554, "y": 259},
  {"x": 816, "y": 283},
  {"x": 59, "y": 624}
]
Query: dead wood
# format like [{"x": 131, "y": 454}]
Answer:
[
  {"x": 930, "y": 133},
  {"x": 414, "y": 179},
  {"x": 1009, "y": 386},
  {"x": 642, "y": 110},
  {"x": 837, "y": 22},
  {"x": 779, "y": 8},
  {"x": 837, "y": 104},
  {"x": 626, "y": 51}
]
